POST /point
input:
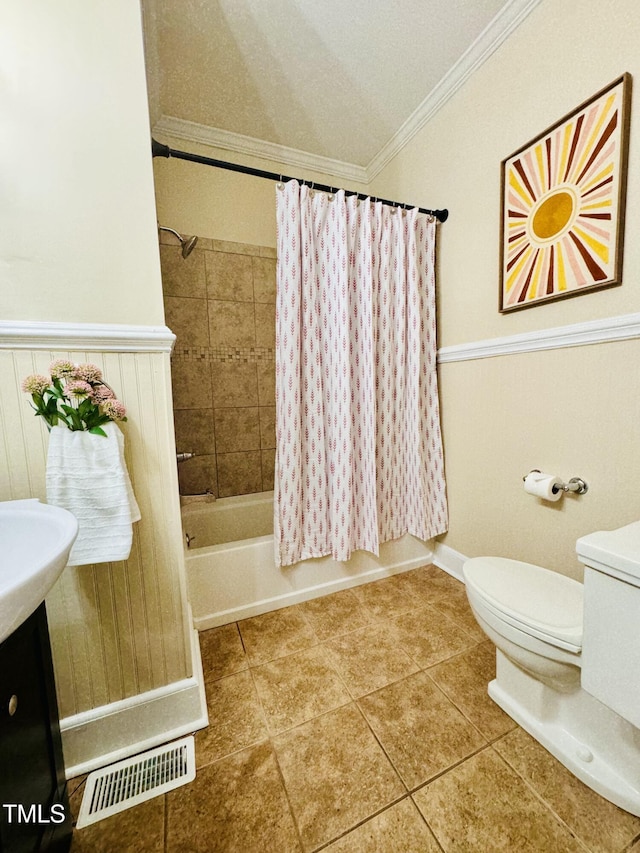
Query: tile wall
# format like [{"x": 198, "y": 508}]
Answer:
[{"x": 220, "y": 303}]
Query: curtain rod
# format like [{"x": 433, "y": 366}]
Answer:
[{"x": 160, "y": 150}]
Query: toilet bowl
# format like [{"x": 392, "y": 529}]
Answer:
[
  {"x": 533, "y": 615},
  {"x": 566, "y": 655}
]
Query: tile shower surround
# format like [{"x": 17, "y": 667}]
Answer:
[
  {"x": 360, "y": 723},
  {"x": 220, "y": 303}
]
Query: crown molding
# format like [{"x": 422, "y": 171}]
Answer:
[
  {"x": 96, "y": 337},
  {"x": 495, "y": 33},
  {"x": 622, "y": 328},
  {"x": 227, "y": 141}
]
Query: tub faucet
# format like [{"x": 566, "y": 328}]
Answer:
[{"x": 182, "y": 457}]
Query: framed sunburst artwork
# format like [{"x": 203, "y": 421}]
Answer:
[{"x": 563, "y": 198}]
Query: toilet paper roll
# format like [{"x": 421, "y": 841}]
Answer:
[{"x": 542, "y": 486}]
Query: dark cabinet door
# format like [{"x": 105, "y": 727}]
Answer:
[{"x": 34, "y": 813}]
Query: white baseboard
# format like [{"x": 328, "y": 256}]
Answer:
[
  {"x": 101, "y": 736},
  {"x": 449, "y": 560}
]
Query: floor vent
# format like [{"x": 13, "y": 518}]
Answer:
[{"x": 134, "y": 780}]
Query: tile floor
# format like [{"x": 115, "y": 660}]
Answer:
[{"x": 360, "y": 723}]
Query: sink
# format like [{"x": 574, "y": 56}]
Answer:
[{"x": 35, "y": 540}]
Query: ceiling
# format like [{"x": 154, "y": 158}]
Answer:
[{"x": 337, "y": 79}]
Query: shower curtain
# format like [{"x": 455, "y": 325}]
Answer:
[{"x": 358, "y": 446}]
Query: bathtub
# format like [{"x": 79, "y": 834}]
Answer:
[{"x": 231, "y": 571}]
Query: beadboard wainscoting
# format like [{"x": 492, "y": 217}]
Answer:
[{"x": 119, "y": 631}]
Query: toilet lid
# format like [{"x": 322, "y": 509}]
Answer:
[{"x": 538, "y": 601}]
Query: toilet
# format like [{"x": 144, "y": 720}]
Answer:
[{"x": 568, "y": 656}]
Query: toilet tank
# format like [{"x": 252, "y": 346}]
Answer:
[{"x": 611, "y": 635}]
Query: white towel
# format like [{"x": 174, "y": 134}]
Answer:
[{"x": 87, "y": 475}]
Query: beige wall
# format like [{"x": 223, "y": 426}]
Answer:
[
  {"x": 572, "y": 411},
  {"x": 198, "y": 199},
  {"x": 78, "y": 244},
  {"x": 78, "y": 240},
  {"x": 566, "y": 411}
]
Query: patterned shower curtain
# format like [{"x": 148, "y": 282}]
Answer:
[{"x": 358, "y": 447}]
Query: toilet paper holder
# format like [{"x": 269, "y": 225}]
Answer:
[{"x": 576, "y": 484}]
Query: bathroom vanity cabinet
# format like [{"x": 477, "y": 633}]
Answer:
[{"x": 34, "y": 809}]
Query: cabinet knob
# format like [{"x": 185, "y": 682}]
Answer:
[{"x": 13, "y": 705}]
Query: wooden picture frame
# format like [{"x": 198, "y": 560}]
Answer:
[{"x": 562, "y": 204}]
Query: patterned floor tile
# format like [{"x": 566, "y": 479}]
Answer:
[
  {"x": 369, "y": 658},
  {"x": 483, "y": 805},
  {"x": 298, "y": 687},
  {"x": 273, "y": 635},
  {"x": 419, "y": 728},
  {"x": 464, "y": 679},
  {"x": 335, "y": 773},
  {"x": 236, "y": 719},
  {"x": 237, "y": 805}
]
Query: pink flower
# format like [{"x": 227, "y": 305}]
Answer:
[
  {"x": 102, "y": 393},
  {"x": 114, "y": 409},
  {"x": 36, "y": 384},
  {"x": 77, "y": 388},
  {"x": 75, "y": 395},
  {"x": 61, "y": 368},
  {"x": 88, "y": 372}
]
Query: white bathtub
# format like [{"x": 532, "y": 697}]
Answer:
[{"x": 231, "y": 570}]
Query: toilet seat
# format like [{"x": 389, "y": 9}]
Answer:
[
  {"x": 534, "y": 600},
  {"x": 574, "y": 696}
]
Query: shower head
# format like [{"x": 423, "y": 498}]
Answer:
[{"x": 187, "y": 243}]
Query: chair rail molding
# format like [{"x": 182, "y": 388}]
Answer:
[
  {"x": 107, "y": 337},
  {"x": 607, "y": 329}
]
